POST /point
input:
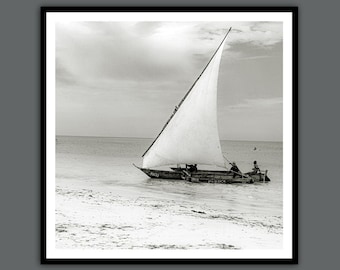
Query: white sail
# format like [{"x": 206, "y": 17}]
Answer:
[{"x": 191, "y": 136}]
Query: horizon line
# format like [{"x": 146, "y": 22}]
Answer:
[{"x": 92, "y": 136}]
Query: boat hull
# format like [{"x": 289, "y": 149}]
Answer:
[
  {"x": 205, "y": 176},
  {"x": 162, "y": 174}
]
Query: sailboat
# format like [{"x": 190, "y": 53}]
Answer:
[{"x": 190, "y": 137}]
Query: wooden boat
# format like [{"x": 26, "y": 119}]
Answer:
[
  {"x": 206, "y": 176},
  {"x": 190, "y": 136}
]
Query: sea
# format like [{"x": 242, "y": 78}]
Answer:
[{"x": 106, "y": 164}]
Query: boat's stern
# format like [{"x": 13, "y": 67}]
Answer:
[{"x": 259, "y": 177}]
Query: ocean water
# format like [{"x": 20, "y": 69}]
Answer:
[{"x": 106, "y": 164}]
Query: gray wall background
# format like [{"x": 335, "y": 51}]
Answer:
[{"x": 319, "y": 181}]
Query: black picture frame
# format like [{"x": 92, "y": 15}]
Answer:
[{"x": 294, "y": 259}]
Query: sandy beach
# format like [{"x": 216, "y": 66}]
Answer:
[{"x": 95, "y": 218}]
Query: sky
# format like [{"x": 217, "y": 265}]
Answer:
[{"x": 123, "y": 79}]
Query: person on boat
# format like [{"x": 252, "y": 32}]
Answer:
[
  {"x": 256, "y": 168},
  {"x": 235, "y": 169},
  {"x": 192, "y": 168}
]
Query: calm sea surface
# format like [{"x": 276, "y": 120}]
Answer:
[{"x": 107, "y": 163}]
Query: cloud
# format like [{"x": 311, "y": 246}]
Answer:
[
  {"x": 257, "y": 103},
  {"x": 259, "y": 34},
  {"x": 252, "y": 119},
  {"x": 254, "y": 57},
  {"x": 100, "y": 51},
  {"x": 122, "y": 72},
  {"x": 148, "y": 51}
]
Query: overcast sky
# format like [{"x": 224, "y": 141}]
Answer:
[{"x": 124, "y": 79}]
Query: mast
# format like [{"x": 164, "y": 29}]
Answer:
[{"x": 185, "y": 96}]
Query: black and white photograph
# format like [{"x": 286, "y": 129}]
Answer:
[{"x": 169, "y": 134}]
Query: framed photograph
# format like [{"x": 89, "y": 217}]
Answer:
[{"x": 169, "y": 135}]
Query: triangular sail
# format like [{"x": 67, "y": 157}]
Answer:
[{"x": 191, "y": 135}]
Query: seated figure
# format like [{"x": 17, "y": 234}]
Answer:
[
  {"x": 192, "y": 167},
  {"x": 235, "y": 169},
  {"x": 256, "y": 168}
]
